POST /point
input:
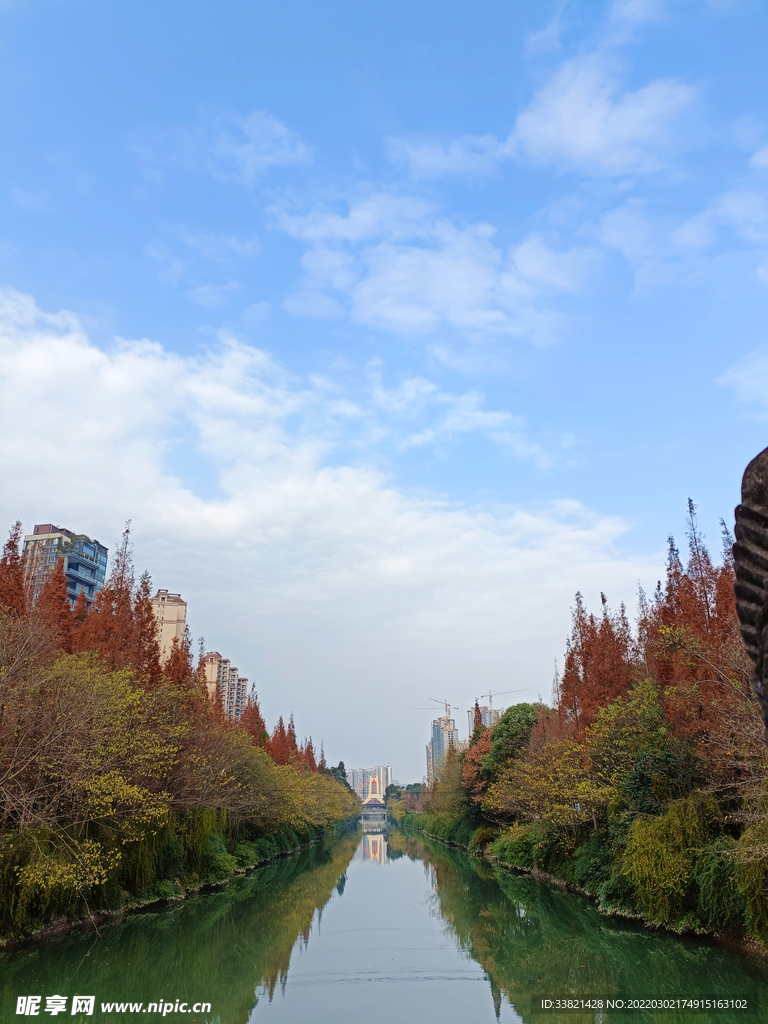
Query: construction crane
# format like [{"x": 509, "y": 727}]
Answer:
[
  {"x": 501, "y": 693},
  {"x": 446, "y": 706}
]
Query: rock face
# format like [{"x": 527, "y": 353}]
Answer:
[{"x": 750, "y": 554}]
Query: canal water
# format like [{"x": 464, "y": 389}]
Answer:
[{"x": 376, "y": 928}]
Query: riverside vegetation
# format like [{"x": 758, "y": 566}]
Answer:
[
  {"x": 121, "y": 783},
  {"x": 645, "y": 785}
]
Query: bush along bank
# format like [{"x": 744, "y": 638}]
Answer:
[
  {"x": 115, "y": 795},
  {"x": 121, "y": 780},
  {"x": 645, "y": 784}
]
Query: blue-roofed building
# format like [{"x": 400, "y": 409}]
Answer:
[{"x": 85, "y": 561}]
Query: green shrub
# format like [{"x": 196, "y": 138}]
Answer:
[
  {"x": 721, "y": 903},
  {"x": 752, "y": 878},
  {"x": 481, "y": 836},
  {"x": 516, "y": 847},
  {"x": 660, "y": 855},
  {"x": 592, "y": 865}
]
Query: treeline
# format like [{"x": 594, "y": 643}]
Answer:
[
  {"x": 646, "y": 783},
  {"x": 121, "y": 781}
]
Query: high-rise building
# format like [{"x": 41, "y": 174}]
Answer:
[
  {"x": 489, "y": 717},
  {"x": 232, "y": 686},
  {"x": 85, "y": 561},
  {"x": 171, "y": 614},
  {"x": 445, "y": 737},
  {"x": 359, "y": 778}
]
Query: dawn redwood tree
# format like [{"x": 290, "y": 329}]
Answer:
[
  {"x": 277, "y": 745},
  {"x": 109, "y": 629},
  {"x": 293, "y": 746},
  {"x": 252, "y": 721},
  {"x": 598, "y": 662},
  {"x": 694, "y": 642},
  {"x": 54, "y": 610},
  {"x": 308, "y": 755},
  {"x": 12, "y": 594},
  {"x": 147, "y": 654},
  {"x": 179, "y": 668},
  {"x": 474, "y": 783}
]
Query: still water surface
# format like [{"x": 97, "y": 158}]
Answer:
[{"x": 373, "y": 929}]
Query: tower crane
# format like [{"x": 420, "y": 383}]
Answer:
[
  {"x": 501, "y": 693},
  {"x": 446, "y": 706}
]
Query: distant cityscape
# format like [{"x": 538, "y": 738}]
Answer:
[
  {"x": 358, "y": 778},
  {"x": 84, "y": 562},
  {"x": 445, "y": 736}
]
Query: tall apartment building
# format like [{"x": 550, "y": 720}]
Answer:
[
  {"x": 489, "y": 716},
  {"x": 85, "y": 561},
  {"x": 445, "y": 736},
  {"x": 359, "y": 778},
  {"x": 232, "y": 686},
  {"x": 171, "y": 614}
]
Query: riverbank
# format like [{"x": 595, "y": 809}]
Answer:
[
  {"x": 478, "y": 841},
  {"x": 247, "y": 857}
]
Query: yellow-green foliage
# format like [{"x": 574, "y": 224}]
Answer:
[
  {"x": 660, "y": 856},
  {"x": 109, "y": 790},
  {"x": 752, "y": 877}
]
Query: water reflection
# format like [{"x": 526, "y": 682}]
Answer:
[
  {"x": 533, "y": 941},
  {"x": 373, "y": 847},
  {"x": 326, "y": 936},
  {"x": 228, "y": 947}
]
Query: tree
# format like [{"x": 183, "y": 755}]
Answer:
[
  {"x": 54, "y": 610},
  {"x": 252, "y": 721},
  {"x": 340, "y": 774},
  {"x": 307, "y": 753},
  {"x": 12, "y": 594},
  {"x": 598, "y": 662},
  {"x": 474, "y": 783},
  {"x": 179, "y": 668},
  {"x": 277, "y": 745},
  {"x": 109, "y": 629},
  {"x": 146, "y": 636},
  {"x": 448, "y": 796},
  {"x": 507, "y": 738}
]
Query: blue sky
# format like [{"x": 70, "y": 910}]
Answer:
[{"x": 389, "y": 326}]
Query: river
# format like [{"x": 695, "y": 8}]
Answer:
[{"x": 372, "y": 929}]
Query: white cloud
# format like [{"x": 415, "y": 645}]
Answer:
[
  {"x": 230, "y": 146},
  {"x": 582, "y": 120},
  {"x": 746, "y": 210},
  {"x": 631, "y": 231},
  {"x": 391, "y": 263},
  {"x": 639, "y": 12},
  {"x": 760, "y": 158},
  {"x": 256, "y": 313},
  {"x": 213, "y": 295},
  {"x": 219, "y": 247},
  {"x": 743, "y": 210},
  {"x": 748, "y": 378},
  {"x": 29, "y": 200},
  {"x": 442, "y": 415},
  {"x": 313, "y": 578},
  {"x": 548, "y": 38},
  {"x": 380, "y": 214},
  {"x": 465, "y": 155}
]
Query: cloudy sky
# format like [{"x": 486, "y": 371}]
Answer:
[{"x": 388, "y": 325}]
